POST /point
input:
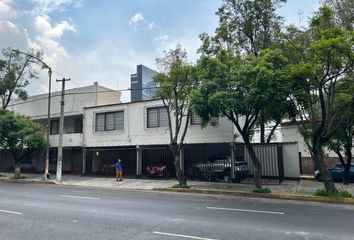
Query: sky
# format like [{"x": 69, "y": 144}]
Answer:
[{"x": 104, "y": 40}]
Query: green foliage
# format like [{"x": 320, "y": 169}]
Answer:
[
  {"x": 20, "y": 136},
  {"x": 261, "y": 190},
  {"x": 322, "y": 63},
  {"x": 340, "y": 194},
  {"x": 175, "y": 82},
  {"x": 183, "y": 186},
  {"x": 15, "y": 73}
]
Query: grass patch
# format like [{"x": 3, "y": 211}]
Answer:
[
  {"x": 20, "y": 177},
  {"x": 261, "y": 190},
  {"x": 181, "y": 186},
  {"x": 339, "y": 194}
]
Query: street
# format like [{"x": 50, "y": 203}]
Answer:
[{"x": 33, "y": 211}]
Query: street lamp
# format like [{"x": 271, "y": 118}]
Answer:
[{"x": 44, "y": 65}]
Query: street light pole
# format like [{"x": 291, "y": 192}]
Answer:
[{"x": 46, "y": 162}]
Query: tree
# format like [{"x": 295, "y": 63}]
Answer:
[
  {"x": 342, "y": 141},
  {"x": 15, "y": 72},
  {"x": 240, "y": 88},
  {"x": 247, "y": 27},
  {"x": 176, "y": 80},
  {"x": 343, "y": 12},
  {"x": 20, "y": 136},
  {"x": 323, "y": 63}
]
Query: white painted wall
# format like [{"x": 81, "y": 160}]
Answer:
[
  {"x": 290, "y": 133},
  {"x": 291, "y": 160},
  {"x": 75, "y": 100},
  {"x": 136, "y": 132}
]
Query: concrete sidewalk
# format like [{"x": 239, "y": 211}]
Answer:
[{"x": 303, "y": 187}]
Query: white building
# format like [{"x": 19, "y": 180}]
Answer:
[
  {"x": 76, "y": 99},
  {"x": 98, "y": 130},
  {"x": 290, "y": 133}
]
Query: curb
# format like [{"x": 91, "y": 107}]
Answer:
[
  {"x": 261, "y": 195},
  {"x": 26, "y": 181}
]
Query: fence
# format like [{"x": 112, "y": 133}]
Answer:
[
  {"x": 203, "y": 162},
  {"x": 101, "y": 161}
]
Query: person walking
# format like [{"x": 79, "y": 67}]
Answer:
[{"x": 119, "y": 170}]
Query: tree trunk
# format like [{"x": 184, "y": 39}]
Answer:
[
  {"x": 346, "y": 174},
  {"x": 257, "y": 165},
  {"x": 320, "y": 165},
  {"x": 262, "y": 132},
  {"x": 179, "y": 173},
  {"x": 17, "y": 171},
  {"x": 177, "y": 163},
  {"x": 347, "y": 165}
]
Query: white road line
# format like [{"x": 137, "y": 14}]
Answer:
[
  {"x": 69, "y": 196},
  {"x": 6, "y": 211},
  {"x": 183, "y": 236},
  {"x": 244, "y": 210}
]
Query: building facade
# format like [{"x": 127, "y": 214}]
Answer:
[
  {"x": 142, "y": 85},
  {"x": 98, "y": 130},
  {"x": 76, "y": 99}
]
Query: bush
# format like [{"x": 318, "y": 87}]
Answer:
[
  {"x": 340, "y": 194},
  {"x": 181, "y": 186},
  {"x": 261, "y": 190}
]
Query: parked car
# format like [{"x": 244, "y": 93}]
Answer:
[
  {"x": 336, "y": 172},
  {"x": 156, "y": 170},
  {"x": 219, "y": 168}
]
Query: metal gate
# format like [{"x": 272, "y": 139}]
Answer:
[
  {"x": 213, "y": 162},
  {"x": 100, "y": 161},
  {"x": 157, "y": 162}
]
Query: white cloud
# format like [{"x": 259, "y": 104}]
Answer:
[
  {"x": 48, "y": 38},
  {"x": 47, "y": 6},
  {"x": 151, "y": 25},
  {"x": 136, "y": 18},
  {"x": 163, "y": 39},
  {"x": 5, "y": 7}
]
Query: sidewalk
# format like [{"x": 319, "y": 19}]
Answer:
[{"x": 303, "y": 187}]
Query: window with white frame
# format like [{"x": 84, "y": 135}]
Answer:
[
  {"x": 157, "y": 117},
  {"x": 110, "y": 121},
  {"x": 195, "y": 119}
]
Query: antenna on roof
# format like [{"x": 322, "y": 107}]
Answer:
[{"x": 300, "y": 13}]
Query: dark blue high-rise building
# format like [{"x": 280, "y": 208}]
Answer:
[{"x": 141, "y": 84}]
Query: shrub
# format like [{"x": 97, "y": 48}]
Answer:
[
  {"x": 340, "y": 194},
  {"x": 181, "y": 186},
  {"x": 261, "y": 190}
]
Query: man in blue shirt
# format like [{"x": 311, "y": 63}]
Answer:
[{"x": 119, "y": 170}]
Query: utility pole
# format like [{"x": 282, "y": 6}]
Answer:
[
  {"x": 61, "y": 130},
  {"x": 46, "y": 163}
]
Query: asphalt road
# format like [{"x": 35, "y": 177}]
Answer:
[{"x": 34, "y": 212}]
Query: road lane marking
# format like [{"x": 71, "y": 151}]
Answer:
[
  {"x": 70, "y": 196},
  {"x": 183, "y": 236},
  {"x": 11, "y": 212},
  {"x": 244, "y": 210}
]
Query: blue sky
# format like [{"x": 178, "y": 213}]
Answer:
[{"x": 104, "y": 40}]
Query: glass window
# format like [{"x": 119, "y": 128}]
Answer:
[
  {"x": 54, "y": 127},
  {"x": 157, "y": 117},
  {"x": 110, "y": 121},
  {"x": 195, "y": 119}
]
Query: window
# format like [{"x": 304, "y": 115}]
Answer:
[
  {"x": 110, "y": 121},
  {"x": 54, "y": 127},
  {"x": 157, "y": 117},
  {"x": 195, "y": 119}
]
